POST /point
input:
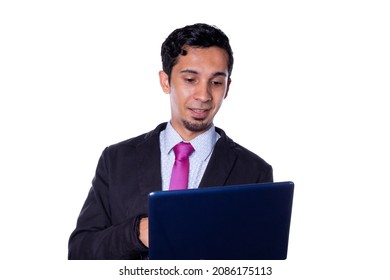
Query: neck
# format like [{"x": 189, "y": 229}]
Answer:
[{"x": 188, "y": 134}]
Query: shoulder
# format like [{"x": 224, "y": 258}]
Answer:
[
  {"x": 237, "y": 148},
  {"x": 150, "y": 138},
  {"x": 246, "y": 161}
]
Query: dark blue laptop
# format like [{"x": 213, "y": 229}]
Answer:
[{"x": 246, "y": 222}]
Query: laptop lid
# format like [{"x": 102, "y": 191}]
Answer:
[{"x": 234, "y": 222}]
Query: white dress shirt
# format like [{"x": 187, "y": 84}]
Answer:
[{"x": 203, "y": 146}]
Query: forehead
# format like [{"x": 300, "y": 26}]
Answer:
[{"x": 201, "y": 59}]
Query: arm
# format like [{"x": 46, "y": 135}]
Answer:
[
  {"x": 267, "y": 175},
  {"x": 96, "y": 236}
]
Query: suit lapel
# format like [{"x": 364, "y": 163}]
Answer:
[
  {"x": 149, "y": 163},
  {"x": 221, "y": 163}
]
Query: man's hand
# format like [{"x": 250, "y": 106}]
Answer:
[{"x": 144, "y": 231}]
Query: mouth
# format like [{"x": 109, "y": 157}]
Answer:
[{"x": 199, "y": 113}]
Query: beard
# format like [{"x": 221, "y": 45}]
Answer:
[{"x": 197, "y": 126}]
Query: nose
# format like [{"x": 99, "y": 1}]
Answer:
[{"x": 203, "y": 92}]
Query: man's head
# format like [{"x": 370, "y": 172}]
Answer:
[
  {"x": 197, "y": 64},
  {"x": 199, "y": 35}
]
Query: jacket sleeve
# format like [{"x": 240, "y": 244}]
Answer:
[
  {"x": 95, "y": 236},
  {"x": 267, "y": 175}
]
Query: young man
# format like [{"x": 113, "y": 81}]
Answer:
[{"x": 197, "y": 65}]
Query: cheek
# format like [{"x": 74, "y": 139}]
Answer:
[
  {"x": 218, "y": 106},
  {"x": 219, "y": 98},
  {"x": 177, "y": 102},
  {"x": 182, "y": 96}
]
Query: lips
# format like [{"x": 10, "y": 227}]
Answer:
[{"x": 199, "y": 113}]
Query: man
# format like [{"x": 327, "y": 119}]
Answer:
[{"x": 197, "y": 65}]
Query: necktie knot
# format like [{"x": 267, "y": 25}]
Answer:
[{"x": 183, "y": 150}]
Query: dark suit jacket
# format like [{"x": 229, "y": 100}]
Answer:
[{"x": 127, "y": 172}]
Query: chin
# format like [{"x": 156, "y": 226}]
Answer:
[{"x": 196, "y": 126}]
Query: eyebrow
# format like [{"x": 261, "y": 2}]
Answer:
[{"x": 218, "y": 73}]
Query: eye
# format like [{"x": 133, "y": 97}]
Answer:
[
  {"x": 216, "y": 83},
  {"x": 189, "y": 79}
]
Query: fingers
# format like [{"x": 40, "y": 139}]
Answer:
[{"x": 144, "y": 231}]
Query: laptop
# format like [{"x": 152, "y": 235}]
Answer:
[{"x": 243, "y": 222}]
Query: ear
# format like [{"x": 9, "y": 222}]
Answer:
[
  {"x": 227, "y": 88},
  {"x": 164, "y": 82}
]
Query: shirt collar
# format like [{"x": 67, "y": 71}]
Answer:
[{"x": 203, "y": 143}]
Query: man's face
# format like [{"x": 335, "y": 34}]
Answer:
[{"x": 199, "y": 83}]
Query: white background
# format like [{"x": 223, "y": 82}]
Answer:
[{"x": 308, "y": 95}]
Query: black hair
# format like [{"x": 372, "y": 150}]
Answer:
[{"x": 196, "y": 35}]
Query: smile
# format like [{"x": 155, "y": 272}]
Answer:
[{"x": 199, "y": 113}]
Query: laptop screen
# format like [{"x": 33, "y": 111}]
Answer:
[{"x": 234, "y": 222}]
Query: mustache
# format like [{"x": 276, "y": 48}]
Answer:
[{"x": 200, "y": 106}]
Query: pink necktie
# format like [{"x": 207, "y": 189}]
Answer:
[{"x": 179, "y": 178}]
